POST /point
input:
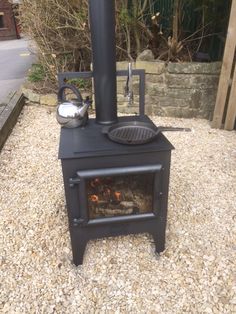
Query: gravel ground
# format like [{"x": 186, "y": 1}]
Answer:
[{"x": 119, "y": 275}]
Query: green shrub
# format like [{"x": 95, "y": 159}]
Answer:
[
  {"x": 36, "y": 73},
  {"x": 60, "y": 28}
]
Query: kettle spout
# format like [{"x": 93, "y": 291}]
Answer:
[{"x": 84, "y": 108}]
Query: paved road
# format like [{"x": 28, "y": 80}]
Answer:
[{"x": 16, "y": 57}]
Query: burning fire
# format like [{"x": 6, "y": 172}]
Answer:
[
  {"x": 117, "y": 196},
  {"x": 102, "y": 192},
  {"x": 94, "y": 198}
]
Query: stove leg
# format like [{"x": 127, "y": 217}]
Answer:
[
  {"x": 78, "y": 250},
  {"x": 159, "y": 239}
]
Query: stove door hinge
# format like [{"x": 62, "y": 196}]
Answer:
[
  {"x": 160, "y": 194},
  {"x": 78, "y": 222},
  {"x": 73, "y": 182}
]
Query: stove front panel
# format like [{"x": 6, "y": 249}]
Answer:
[{"x": 86, "y": 223}]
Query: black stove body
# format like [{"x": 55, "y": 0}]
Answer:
[
  {"x": 87, "y": 154},
  {"x": 112, "y": 189}
]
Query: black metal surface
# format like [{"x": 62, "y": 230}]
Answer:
[
  {"x": 117, "y": 171},
  {"x": 136, "y": 132},
  {"x": 90, "y": 142},
  {"x": 86, "y": 153},
  {"x": 102, "y": 24}
]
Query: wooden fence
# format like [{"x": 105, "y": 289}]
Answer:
[{"x": 225, "y": 108}]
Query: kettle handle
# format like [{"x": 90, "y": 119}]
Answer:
[{"x": 61, "y": 96}]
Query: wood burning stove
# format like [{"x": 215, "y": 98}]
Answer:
[
  {"x": 112, "y": 189},
  {"x": 101, "y": 176}
]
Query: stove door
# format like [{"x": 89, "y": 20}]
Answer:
[{"x": 118, "y": 194}]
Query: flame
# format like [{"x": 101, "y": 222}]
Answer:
[
  {"x": 94, "y": 198},
  {"x": 117, "y": 196}
]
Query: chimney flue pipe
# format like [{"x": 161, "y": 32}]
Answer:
[{"x": 102, "y": 25}]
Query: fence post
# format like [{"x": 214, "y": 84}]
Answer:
[{"x": 226, "y": 69}]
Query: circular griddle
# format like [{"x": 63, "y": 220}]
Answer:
[{"x": 135, "y": 132}]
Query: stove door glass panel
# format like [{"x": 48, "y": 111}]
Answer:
[{"x": 120, "y": 195}]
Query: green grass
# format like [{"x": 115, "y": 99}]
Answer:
[{"x": 36, "y": 73}]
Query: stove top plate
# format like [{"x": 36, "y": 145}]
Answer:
[{"x": 89, "y": 141}]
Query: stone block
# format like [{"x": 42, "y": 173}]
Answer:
[
  {"x": 86, "y": 93},
  {"x": 207, "y": 100},
  {"x": 186, "y": 81},
  {"x": 122, "y": 79},
  {"x": 122, "y": 65},
  {"x": 30, "y": 95},
  {"x": 121, "y": 87},
  {"x": 153, "y": 101},
  {"x": 194, "y": 68},
  {"x": 169, "y": 101},
  {"x": 178, "y": 81},
  {"x": 195, "y": 101},
  {"x": 128, "y": 109},
  {"x": 151, "y": 67},
  {"x": 180, "y": 94},
  {"x": 154, "y": 89},
  {"x": 123, "y": 101},
  {"x": 179, "y": 112},
  {"x": 48, "y": 100},
  {"x": 146, "y": 55},
  {"x": 155, "y": 78},
  {"x": 120, "y": 98},
  {"x": 149, "y": 110},
  {"x": 136, "y": 88},
  {"x": 158, "y": 112},
  {"x": 184, "y": 98},
  {"x": 205, "y": 81},
  {"x": 122, "y": 105}
]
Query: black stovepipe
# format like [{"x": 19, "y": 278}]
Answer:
[{"x": 102, "y": 25}]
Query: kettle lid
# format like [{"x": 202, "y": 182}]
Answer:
[{"x": 68, "y": 110}]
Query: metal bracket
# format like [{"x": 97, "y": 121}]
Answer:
[
  {"x": 73, "y": 182},
  {"x": 77, "y": 222},
  {"x": 88, "y": 75}
]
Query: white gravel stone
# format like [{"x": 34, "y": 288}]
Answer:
[{"x": 119, "y": 275}]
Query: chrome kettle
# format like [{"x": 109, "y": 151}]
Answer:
[{"x": 72, "y": 113}]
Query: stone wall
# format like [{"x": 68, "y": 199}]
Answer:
[{"x": 184, "y": 90}]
